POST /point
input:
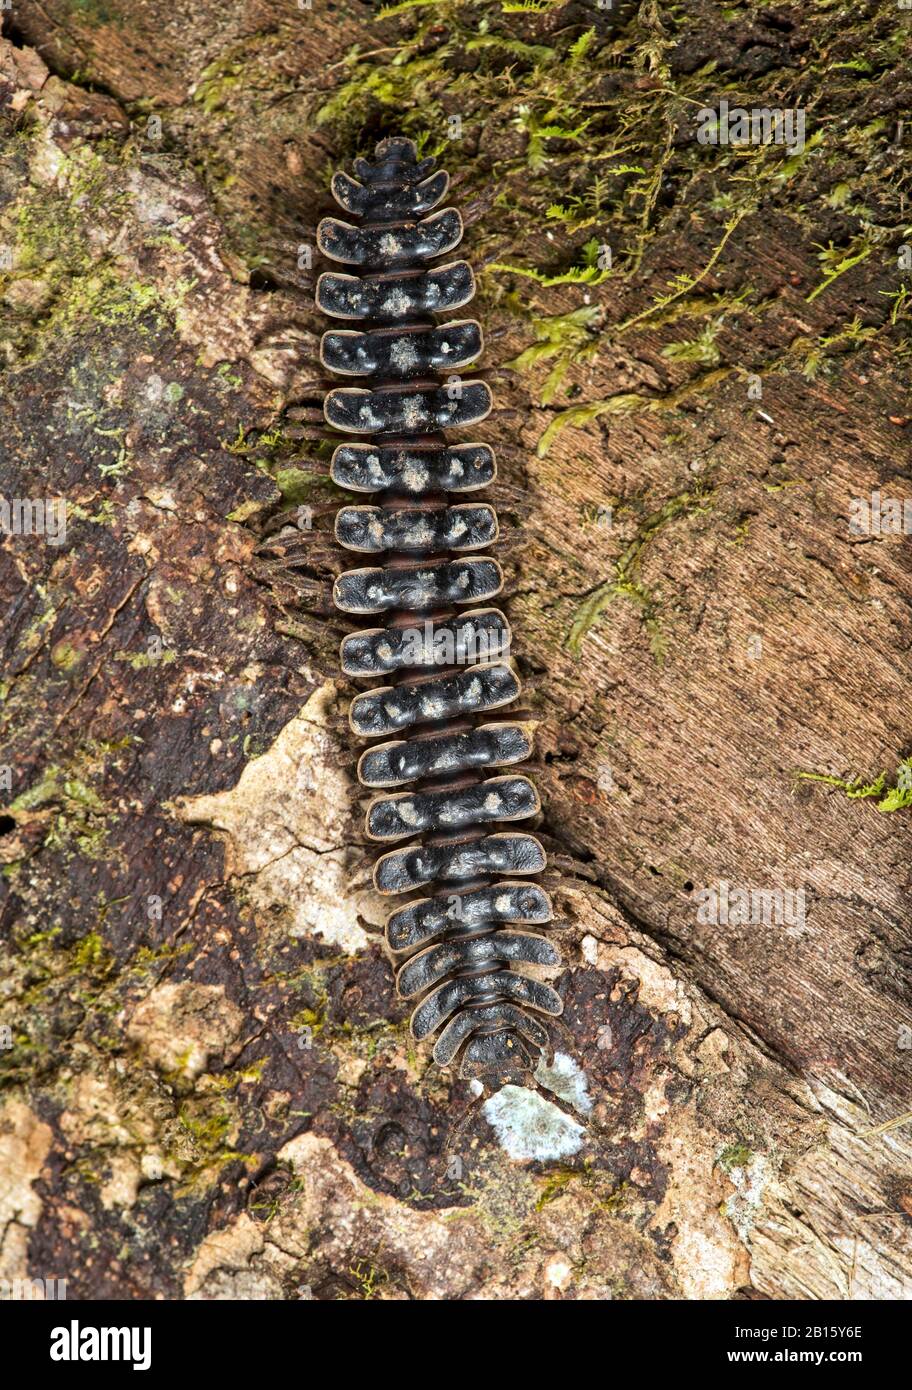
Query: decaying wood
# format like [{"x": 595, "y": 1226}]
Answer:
[{"x": 209, "y": 1087}]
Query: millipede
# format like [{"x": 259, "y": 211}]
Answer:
[{"x": 439, "y": 767}]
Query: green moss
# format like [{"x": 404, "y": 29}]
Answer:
[
  {"x": 80, "y": 823},
  {"x": 53, "y": 231},
  {"x": 66, "y": 657},
  {"x": 407, "y": 86},
  {"x": 91, "y": 956},
  {"x": 44, "y": 790},
  {"x": 735, "y": 1156},
  {"x": 564, "y": 340},
  {"x": 103, "y": 296},
  {"x": 616, "y": 1200},
  {"x": 207, "y": 1132},
  {"x": 296, "y": 485},
  {"x": 835, "y": 263},
  {"x": 578, "y": 416},
  {"x": 148, "y": 961},
  {"x": 625, "y": 581},
  {"x": 895, "y": 797},
  {"x": 216, "y": 83},
  {"x": 240, "y": 68},
  {"x": 104, "y": 516},
  {"x": 245, "y": 511},
  {"x": 140, "y": 661},
  {"x": 555, "y": 1184},
  {"x": 228, "y": 377},
  {"x": 229, "y": 1080},
  {"x": 701, "y": 349},
  {"x": 201, "y": 1138},
  {"x": 93, "y": 12},
  {"x": 599, "y": 164},
  {"x": 587, "y": 273},
  {"x": 312, "y": 1018},
  {"x": 369, "y": 1277}
]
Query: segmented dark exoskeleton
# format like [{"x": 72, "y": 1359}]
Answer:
[{"x": 459, "y": 951}]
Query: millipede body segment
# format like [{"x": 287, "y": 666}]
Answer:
[{"x": 442, "y": 754}]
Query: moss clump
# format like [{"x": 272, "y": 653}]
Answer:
[
  {"x": 563, "y": 340},
  {"x": 557, "y": 1183},
  {"x": 140, "y": 661},
  {"x": 369, "y": 1277},
  {"x": 201, "y": 1141},
  {"x": 626, "y": 583},
  {"x": 735, "y": 1156},
  {"x": 94, "y": 12},
  {"x": 91, "y": 956},
  {"x": 80, "y": 823},
  {"x": 600, "y": 112},
  {"x": 895, "y": 797},
  {"x": 66, "y": 657},
  {"x": 616, "y": 1200},
  {"x": 54, "y": 235}
]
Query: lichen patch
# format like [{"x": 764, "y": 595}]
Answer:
[
  {"x": 529, "y": 1127},
  {"x": 566, "y": 1078}
]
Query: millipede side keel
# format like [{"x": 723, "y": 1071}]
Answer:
[{"x": 442, "y": 754}]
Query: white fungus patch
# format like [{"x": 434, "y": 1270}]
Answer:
[
  {"x": 415, "y": 477},
  {"x": 404, "y": 354},
  {"x": 419, "y": 593},
  {"x": 558, "y": 1273},
  {"x": 750, "y": 1180},
  {"x": 567, "y": 1080},
  {"x": 529, "y": 1127},
  {"x": 396, "y": 303},
  {"x": 413, "y": 413},
  {"x": 418, "y": 536}
]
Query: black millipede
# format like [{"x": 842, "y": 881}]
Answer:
[{"x": 443, "y": 770}]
